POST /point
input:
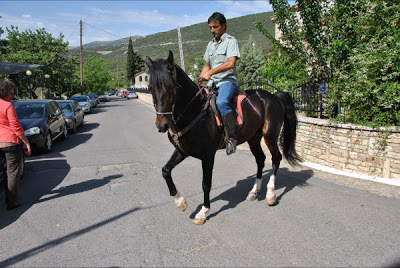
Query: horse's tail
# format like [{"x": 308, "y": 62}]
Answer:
[{"x": 288, "y": 136}]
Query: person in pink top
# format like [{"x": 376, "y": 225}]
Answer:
[{"x": 11, "y": 147}]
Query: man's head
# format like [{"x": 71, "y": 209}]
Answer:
[{"x": 217, "y": 24}]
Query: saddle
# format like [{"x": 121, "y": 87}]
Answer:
[{"x": 236, "y": 105}]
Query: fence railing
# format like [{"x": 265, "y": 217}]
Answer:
[{"x": 308, "y": 97}]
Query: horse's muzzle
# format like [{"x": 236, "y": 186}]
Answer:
[{"x": 162, "y": 127}]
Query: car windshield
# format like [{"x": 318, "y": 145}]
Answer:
[
  {"x": 79, "y": 98},
  {"x": 131, "y": 92},
  {"x": 65, "y": 106},
  {"x": 30, "y": 110}
]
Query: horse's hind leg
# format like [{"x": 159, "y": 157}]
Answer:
[
  {"x": 272, "y": 144},
  {"x": 258, "y": 153},
  {"x": 175, "y": 159}
]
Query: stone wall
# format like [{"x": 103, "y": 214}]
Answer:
[{"x": 350, "y": 148}]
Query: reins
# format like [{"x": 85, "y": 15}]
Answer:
[{"x": 177, "y": 135}]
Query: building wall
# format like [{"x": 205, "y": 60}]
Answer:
[
  {"x": 349, "y": 148},
  {"x": 142, "y": 79}
]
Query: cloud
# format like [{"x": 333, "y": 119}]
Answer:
[{"x": 123, "y": 20}]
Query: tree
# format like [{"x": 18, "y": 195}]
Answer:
[
  {"x": 368, "y": 84},
  {"x": 96, "y": 76},
  {"x": 40, "y": 47},
  {"x": 198, "y": 65},
  {"x": 282, "y": 71},
  {"x": 130, "y": 62},
  {"x": 134, "y": 63},
  {"x": 250, "y": 62},
  {"x": 357, "y": 41}
]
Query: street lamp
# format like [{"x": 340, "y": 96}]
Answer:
[
  {"x": 47, "y": 76},
  {"x": 29, "y": 73}
]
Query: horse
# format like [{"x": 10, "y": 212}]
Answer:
[{"x": 182, "y": 109}]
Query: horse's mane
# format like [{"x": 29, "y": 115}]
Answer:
[{"x": 159, "y": 75}]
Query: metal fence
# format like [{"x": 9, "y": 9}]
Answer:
[{"x": 308, "y": 97}]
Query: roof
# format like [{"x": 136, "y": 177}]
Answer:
[
  {"x": 140, "y": 73},
  {"x": 14, "y": 68}
]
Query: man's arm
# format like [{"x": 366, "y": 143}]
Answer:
[{"x": 207, "y": 72}]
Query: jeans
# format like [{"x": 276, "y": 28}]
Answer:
[
  {"x": 10, "y": 165},
  {"x": 225, "y": 94}
]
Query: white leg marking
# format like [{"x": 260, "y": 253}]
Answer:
[
  {"x": 271, "y": 197},
  {"x": 253, "y": 194},
  {"x": 201, "y": 217},
  {"x": 180, "y": 201}
]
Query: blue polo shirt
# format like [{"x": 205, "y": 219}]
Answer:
[{"x": 217, "y": 53}]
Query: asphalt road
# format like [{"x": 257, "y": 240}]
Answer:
[{"x": 98, "y": 199}]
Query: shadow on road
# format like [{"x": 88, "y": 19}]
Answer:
[
  {"x": 234, "y": 196},
  {"x": 79, "y": 187},
  {"x": 36, "y": 250}
]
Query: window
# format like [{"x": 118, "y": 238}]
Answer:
[
  {"x": 140, "y": 79},
  {"x": 146, "y": 78}
]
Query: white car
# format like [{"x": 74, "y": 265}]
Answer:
[{"x": 131, "y": 95}]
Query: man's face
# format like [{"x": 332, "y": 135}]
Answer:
[{"x": 217, "y": 29}]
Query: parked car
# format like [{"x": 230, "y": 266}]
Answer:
[
  {"x": 111, "y": 92},
  {"x": 43, "y": 122},
  {"x": 74, "y": 115},
  {"x": 131, "y": 95},
  {"x": 93, "y": 99},
  {"x": 101, "y": 97},
  {"x": 84, "y": 102}
]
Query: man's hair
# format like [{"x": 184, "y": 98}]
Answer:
[
  {"x": 5, "y": 88},
  {"x": 216, "y": 16}
]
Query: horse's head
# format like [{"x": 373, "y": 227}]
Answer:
[{"x": 162, "y": 85}]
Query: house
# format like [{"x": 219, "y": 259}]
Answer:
[{"x": 142, "y": 80}]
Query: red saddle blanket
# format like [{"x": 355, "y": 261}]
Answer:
[{"x": 237, "y": 102}]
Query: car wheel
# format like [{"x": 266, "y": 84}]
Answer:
[
  {"x": 48, "y": 143},
  {"x": 64, "y": 135},
  {"x": 73, "y": 128}
]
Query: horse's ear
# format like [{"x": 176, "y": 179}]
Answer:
[
  {"x": 149, "y": 62},
  {"x": 170, "y": 60}
]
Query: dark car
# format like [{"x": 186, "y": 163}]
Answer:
[
  {"x": 74, "y": 115},
  {"x": 43, "y": 122}
]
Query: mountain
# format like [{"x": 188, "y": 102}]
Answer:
[{"x": 194, "y": 42}]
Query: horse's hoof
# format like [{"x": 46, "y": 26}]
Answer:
[
  {"x": 252, "y": 196},
  {"x": 271, "y": 199},
  {"x": 183, "y": 205},
  {"x": 199, "y": 220}
]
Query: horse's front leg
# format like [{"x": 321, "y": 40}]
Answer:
[
  {"x": 208, "y": 165},
  {"x": 175, "y": 159}
]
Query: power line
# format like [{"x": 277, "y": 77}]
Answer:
[{"x": 103, "y": 30}]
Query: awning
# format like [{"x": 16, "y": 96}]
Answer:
[{"x": 14, "y": 68}]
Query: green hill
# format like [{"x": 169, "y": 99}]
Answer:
[{"x": 194, "y": 42}]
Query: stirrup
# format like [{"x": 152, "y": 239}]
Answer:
[{"x": 231, "y": 146}]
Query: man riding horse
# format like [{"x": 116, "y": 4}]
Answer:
[{"x": 220, "y": 67}]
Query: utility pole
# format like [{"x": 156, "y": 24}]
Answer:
[
  {"x": 81, "y": 59},
  {"x": 180, "y": 49}
]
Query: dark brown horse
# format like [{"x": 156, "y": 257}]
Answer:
[{"x": 192, "y": 129}]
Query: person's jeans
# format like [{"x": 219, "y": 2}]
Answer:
[
  {"x": 10, "y": 161},
  {"x": 225, "y": 94}
]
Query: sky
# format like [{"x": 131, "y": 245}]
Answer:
[{"x": 112, "y": 20}]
